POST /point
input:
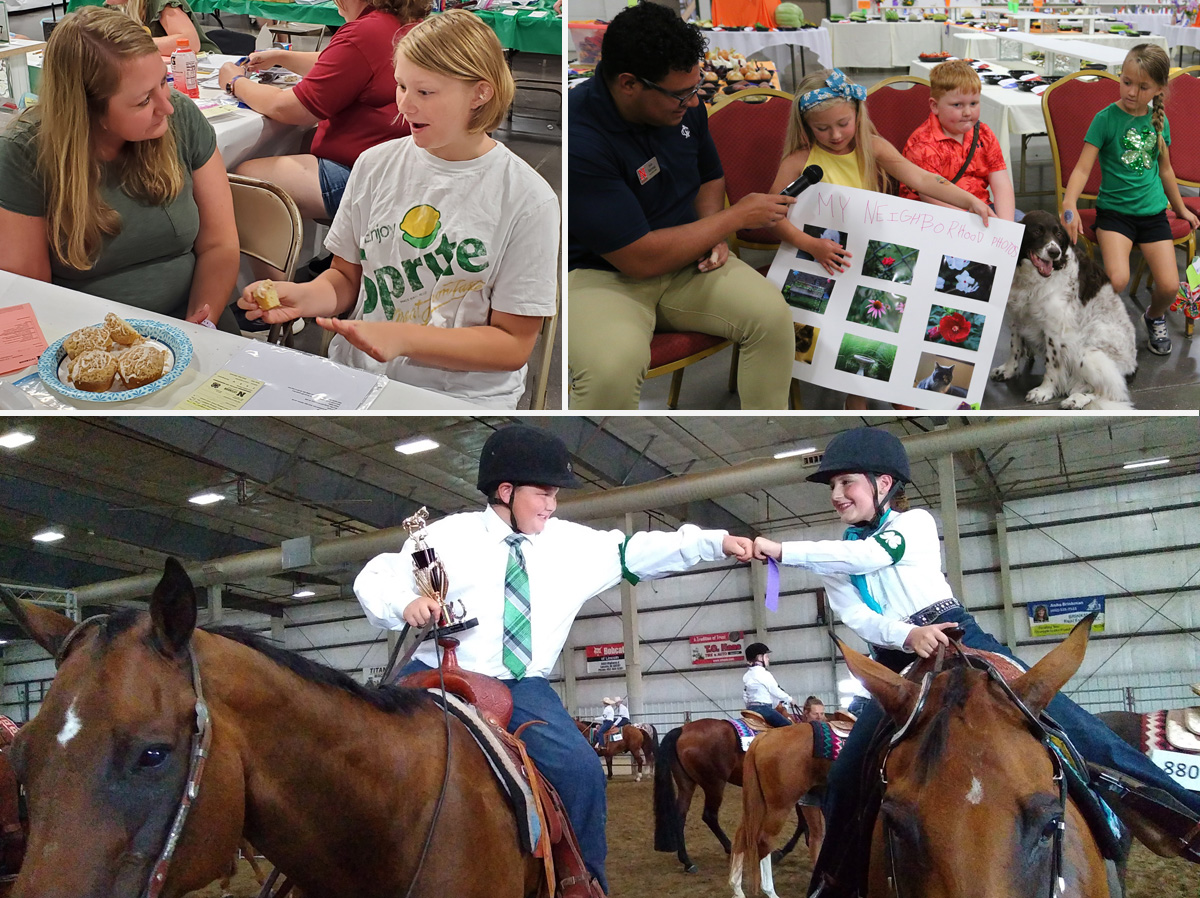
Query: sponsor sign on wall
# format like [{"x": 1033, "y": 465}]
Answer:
[
  {"x": 1056, "y": 617},
  {"x": 717, "y": 648},
  {"x": 605, "y": 658}
]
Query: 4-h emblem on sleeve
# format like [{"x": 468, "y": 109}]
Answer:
[
  {"x": 1140, "y": 148},
  {"x": 892, "y": 542}
]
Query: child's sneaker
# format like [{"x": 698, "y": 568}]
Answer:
[{"x": 1160, "y": 343}]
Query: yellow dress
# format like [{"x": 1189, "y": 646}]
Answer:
[{"x": 840, "y": 170}]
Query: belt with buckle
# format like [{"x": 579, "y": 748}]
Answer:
[{"x": 930, "y": 613}]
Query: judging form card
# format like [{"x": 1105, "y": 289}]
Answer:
[{"x": 21, "y": 339}]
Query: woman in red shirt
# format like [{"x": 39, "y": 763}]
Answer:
[{"x": 348, "y": 91}]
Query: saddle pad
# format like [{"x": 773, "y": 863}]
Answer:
[
  {"x": 1191, "y": 719},
  {"x": 511, "y": 778},
  {"x": 1153, "y": 731},
  {"x": 745, "y": 733},
  {"x": 1179, "y": 733},
  {"x": 827, "y": 744}
]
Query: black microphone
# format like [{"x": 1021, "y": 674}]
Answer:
[{"x": 809, "y": 177}]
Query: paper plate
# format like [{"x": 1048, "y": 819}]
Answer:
[{"x": 52, "y": 370}]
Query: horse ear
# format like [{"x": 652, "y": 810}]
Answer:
[
  {"x": 896, "y": 694},
  {"x": 45, "y": 627},
  {"x": 173, "y": 607},
  {"x": 1041, "y": 682}
]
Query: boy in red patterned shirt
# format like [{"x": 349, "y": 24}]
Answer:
[{"x": 942, "y": 144}]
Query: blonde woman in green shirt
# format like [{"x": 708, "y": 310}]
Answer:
[
  {"x": 168, "y": 20},
  {"x": 1137, "y": 184}
]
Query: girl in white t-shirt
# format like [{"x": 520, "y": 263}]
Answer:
[{"x": 445, "y": 245}]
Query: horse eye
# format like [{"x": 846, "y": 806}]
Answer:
[{"x": 153, "y": 757}]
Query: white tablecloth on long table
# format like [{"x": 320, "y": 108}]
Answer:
[
  {"x": 245, "y": 134},
  {"x": 60, "y": 311},
  {"x": 881, "y": 45},
  {"x": 778, "y": 46}
]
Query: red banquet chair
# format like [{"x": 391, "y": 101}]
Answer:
[
  {"x": 1183, "y": 99},
  {"x": 672, "y": 351},
  {"x": 896, "y": 111}
]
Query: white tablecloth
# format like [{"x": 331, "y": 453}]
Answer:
[
  {"x": 881, "y": 45},
  {"x": 1154, "y": 22},
  {"x": 778, "y": 46},
  {"x": 1182, "y": 36},
  {"x": 245, "y": 134},
  {"x": 60, "y": 311}
]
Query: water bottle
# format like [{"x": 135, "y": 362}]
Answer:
[{"x": 184, "y": 67}]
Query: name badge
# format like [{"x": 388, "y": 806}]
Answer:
[{"x": 649, "y": 170}]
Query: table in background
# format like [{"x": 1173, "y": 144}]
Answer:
[
  {"x": 1154, "y": 22},
  {"x": 1182, "y": 36},
  {"x": 881, "y": 45},
  {"x": 243, "y": 133},
  {"x": 60, "y": 311},
  {"x": 748, "y": 42},
  {"x": 15, "y": 54},
  {"x": 525, "y": 29}
]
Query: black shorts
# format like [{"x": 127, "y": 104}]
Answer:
[{"x": 1138, "y": 228}]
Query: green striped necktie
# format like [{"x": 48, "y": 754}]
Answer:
[{"x": 517, "y": 649}]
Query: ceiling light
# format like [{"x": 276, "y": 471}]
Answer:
[
  {"x": 206, "y": 498},
  {"x": 303, "y": 594},
  {"x": 50, "y": 535},
  {"x": 412, "y": 447},
  {"x": 15, "y": 438},
  {"x": 1146, "y": 464},
  {"x": 792, "y": 452}
]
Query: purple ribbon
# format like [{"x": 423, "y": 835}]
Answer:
[{"x": 772, "y": 585}]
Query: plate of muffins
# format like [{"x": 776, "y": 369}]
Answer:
[{"x": 115, "y": 360}]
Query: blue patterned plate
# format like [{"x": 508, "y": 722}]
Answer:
[{"x": 53, "y": 370}]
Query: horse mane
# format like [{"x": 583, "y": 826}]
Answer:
[
  {"x": 392, "y": 699},
  {"x": 933, "y": 740}
]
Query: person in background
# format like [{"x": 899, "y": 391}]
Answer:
[
  {"x": 113, "y": 184},
  {"x": 608, "y": 719},
  {"x": 167, "y": 21},
  {"x": 760, "y": 692},
  {"x": 524, "y": 574},
  {"x": 348, "y": 91},
  {"x": 953, "y": 140},
  {"x": 813, "y": 710},
  {"x": 622, "y": 712}
]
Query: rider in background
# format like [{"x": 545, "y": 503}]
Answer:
[
  {"x": 622, "y": 713},
  {"x": 885, "y": 581},
  {"x": 563, "y": 564},
  {"x": 760, "y": 692},
  {"x": 608, "y": 719}
]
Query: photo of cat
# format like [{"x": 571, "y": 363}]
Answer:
[
  {"x": 806, "y": 341},
  {"x": 939, "y": 374}
]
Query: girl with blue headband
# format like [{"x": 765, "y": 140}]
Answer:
[{"x": 829, "y": 127}]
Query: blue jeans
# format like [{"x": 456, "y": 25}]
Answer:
[
  {"x": 333, "y": 177},
  {"x": 1095, "y": 741},
  {"x": 603, "y": 731},
  {"x": 566, "y": 760},
  {"x": 770, "y": 715}
]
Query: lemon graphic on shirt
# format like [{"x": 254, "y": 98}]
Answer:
[{"x": 420, "y": 226}]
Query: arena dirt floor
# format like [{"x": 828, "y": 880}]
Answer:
[{"x": 634, "y": 868}]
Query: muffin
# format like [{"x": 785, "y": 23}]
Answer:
[
  {"x": 94, "y": 371},
  {"x": 121, "y": 331},
  {"x": 141, "y": 365},
  {"x": 87, "y": 338},
  {"x": 266, "y": 295}
]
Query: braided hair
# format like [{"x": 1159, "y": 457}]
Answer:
[{"x": 1155, "y": 65}]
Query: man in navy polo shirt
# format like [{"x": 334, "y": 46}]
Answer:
[{"x": 647, "y": 225}]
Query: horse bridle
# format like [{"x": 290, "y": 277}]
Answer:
[
  {"x": 201, "y": 741},
  {"x": 1036, "y": 727}
]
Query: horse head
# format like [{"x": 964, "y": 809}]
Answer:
[
  {"x": 973, "y": 801},
  {"x": 106, "y": 760}
]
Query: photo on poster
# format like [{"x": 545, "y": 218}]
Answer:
[
  {"x": 954, "y": 327},
  {"x": 890, "y": 261},
  {"x": 876, "y": 308},
  {"x": 807, "y": 291},
  {"x": 939, "y": 374},
  {"x": 820, "y": 233},
  {"x": 806, "y": 341},
  {"x": 962, "y": 277},
  {"x": 866, "y": 357}
]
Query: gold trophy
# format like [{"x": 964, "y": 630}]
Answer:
[{"x": 431, "y": 578}]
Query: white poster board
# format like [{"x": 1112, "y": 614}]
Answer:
[{"x": 920, "y": 302}]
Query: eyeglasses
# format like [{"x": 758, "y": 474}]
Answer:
[{"x": 682, "y": 99}]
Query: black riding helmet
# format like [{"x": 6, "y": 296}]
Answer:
[
  {"x": 870, "y": 451},
  {"x": 754, "y": 649},
  {"x": 522, "y": 455}
]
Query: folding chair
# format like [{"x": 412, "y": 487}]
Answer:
[
  {"x": 898, "y": 111},
  {"x": 269, "y": 229}
]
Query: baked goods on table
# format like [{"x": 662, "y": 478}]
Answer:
[
  {"x": 94, "y": 371},
  {"x": 112, "y": 356},
  {"x": 121, "y": 330},
  {"x": 266, "y": 295},
  {"x": 140, "y": 365},
  {"x": 87, "y": 338}
]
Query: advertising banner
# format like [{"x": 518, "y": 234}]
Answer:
[
  {"x": 718, "y": 648},
  {"x": 1056, "y": 617},
  {"x": 605, "y": 658}
]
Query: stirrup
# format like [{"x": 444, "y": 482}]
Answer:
[{"x": 1160, "y": 822}]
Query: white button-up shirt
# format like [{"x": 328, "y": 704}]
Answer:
[
  {"x": 760, "y": 688},
  {"x": 567, "y": 564},
  {"x": 902, "y": 566}
]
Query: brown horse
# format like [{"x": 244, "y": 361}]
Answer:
[
  {"x": 706, "y": 754},
  {"x": 974, "y": 801},
  {"x": 778, "y": 771},
  {"x": 640, "y": 740},
  {"x": 351, "y": 792}
]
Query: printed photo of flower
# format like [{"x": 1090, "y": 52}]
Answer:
[
  {"x": 821, "y": 233},
  {"x": 807, "y": 291},
  {"x": 876, "y": 308},
  {"x": 962, "y": 277},
  {"x": 954, "y": 327},
  {"x": 866, "y": 357},
  {"x": 889, "y": 262}
]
